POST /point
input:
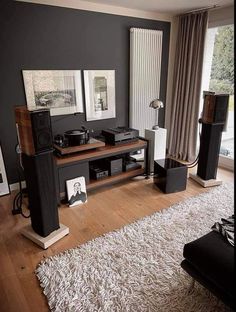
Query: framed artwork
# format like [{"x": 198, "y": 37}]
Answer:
[
  {"x": 76, "y": 191},
  {"x": 4, "y": 187},
  {"x": 99, "y": 88},
  {"x": 58, "y": 90}
]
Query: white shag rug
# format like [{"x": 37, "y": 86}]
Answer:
[{"x": 137, "y": 268}]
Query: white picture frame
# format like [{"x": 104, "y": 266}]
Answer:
[
  {"x": 4, "y": 186},
  {"x": 99, "y": 86},
  {"x": 58, "y": 90},
  {"x": 76, "y": 191}
]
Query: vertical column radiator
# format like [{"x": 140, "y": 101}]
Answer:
[{"x": 145, "y": 72}]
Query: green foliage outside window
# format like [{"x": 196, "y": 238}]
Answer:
[{"x": 222, "y": 71}]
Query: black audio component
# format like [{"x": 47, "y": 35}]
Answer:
[
  {"x": 120, "y": 135},
  {"x": 114, "y": 165},
  {"x": 130, "y": 165},
  {"x": 77, "y": 137},
  {"x": 209, "y": 150},
  {"x": 98, "y": 173},
  {"x": 215, "y": 108},
  {"x": 34, "y": 130},
  {"x": 39, "y": 173}
]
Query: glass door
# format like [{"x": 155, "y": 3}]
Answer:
[{"x": 218, "y": 76}]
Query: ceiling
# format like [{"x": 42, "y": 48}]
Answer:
[{"x": 172, "y": 7}]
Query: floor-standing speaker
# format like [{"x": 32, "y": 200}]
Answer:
[
  {"x": 213, "y": 119},
  {"x": 35, "y": 139},
  {"x": 40, "y": 181},
  {"x": 209, "y": 150}
]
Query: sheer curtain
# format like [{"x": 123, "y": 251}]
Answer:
[{"x": 187, "y": 85}]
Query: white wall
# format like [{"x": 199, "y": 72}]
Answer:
[{"x": 98, "y": 7}]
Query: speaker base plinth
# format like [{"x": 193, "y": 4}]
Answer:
[
  {"x": 45, "y": 242},
  {"x": 205, "y": 183}
]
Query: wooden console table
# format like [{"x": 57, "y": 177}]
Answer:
[{"x": 77, "y": 164}]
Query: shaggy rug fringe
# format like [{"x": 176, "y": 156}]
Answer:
[{"x": 137, "y": 268}]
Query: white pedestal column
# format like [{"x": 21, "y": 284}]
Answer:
[{"x": 157, "y": 145}]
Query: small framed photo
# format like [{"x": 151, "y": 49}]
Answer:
[
  {"x": 4, "y": 187},
  {"x": 76, "y": 191},
  {"x": 99, "y": 88},
  {"x": 58, "y": 90}
]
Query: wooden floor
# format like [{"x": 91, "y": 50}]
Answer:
[{"x": 107, "y": 209}]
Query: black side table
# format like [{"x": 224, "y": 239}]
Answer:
[{"x": 170, "y": 176}]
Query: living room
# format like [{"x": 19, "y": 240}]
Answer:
[{"x": 116, "y": 155}]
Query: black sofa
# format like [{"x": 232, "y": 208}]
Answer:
[{"x": 210, "y": 261}]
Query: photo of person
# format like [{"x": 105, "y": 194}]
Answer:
[{"x": 76, "y": 190}]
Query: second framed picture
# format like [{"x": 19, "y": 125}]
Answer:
[{"x": 99, "y": 94}]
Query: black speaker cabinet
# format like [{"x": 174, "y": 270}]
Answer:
[
  {"x": 209, "y": 150},
  {"x": 170, "y": 176},
  {"x": 34, "y": 130},
  {"x": 40, "y": 181}
]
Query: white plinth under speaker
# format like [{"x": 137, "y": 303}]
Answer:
[
  {"x": 47, "y": 241},
  {"x": 205, "y": 183},
  {"x": 157, "y": 145}
]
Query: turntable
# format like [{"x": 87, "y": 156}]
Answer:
[
  {"x": 73, "y": 141},
  {"x": 91, "y": 144}
]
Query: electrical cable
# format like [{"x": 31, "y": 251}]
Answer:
[
  {"x": 18, "y": 199},
  {"x": 194, "y": 164}
]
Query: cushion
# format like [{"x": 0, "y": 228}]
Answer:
[{"x": 213, "y": 257}]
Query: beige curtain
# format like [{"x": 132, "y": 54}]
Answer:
[{"x": 187, "y": 85}]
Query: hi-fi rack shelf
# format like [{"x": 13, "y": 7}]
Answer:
[{"x": 77, "y": 164}]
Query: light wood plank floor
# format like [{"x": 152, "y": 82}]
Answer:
[{"x": 107, "y": 209}]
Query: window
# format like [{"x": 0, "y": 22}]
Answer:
[{"x": 218, "y": 76}]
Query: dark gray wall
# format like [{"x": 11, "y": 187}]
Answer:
[{"x": 36, "y": 36}]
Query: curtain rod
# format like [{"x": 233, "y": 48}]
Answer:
[{"x": 210, "y": 7}]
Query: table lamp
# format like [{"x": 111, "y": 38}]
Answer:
[{"x": 156, "y": 104}]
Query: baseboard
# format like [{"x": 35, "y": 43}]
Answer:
[{"x": 226, "y": 163}]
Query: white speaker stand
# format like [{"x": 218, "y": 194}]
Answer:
[
  {"x": 205, "y": 183},
  {"x": 45, "y": 242}
]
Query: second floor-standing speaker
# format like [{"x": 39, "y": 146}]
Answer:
[
  {"x": 39, "y": 173},
  {"x": 34, "y": 130},
  {"x": 214, "y": 119}
]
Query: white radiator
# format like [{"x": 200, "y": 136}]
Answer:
[{"x": 145, "y": 72}]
